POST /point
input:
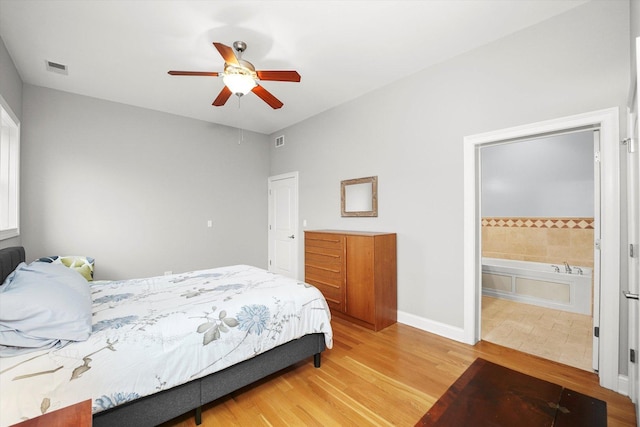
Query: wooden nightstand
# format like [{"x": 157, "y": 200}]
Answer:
[{"x": 78, "y": 415}]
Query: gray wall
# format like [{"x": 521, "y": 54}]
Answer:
[
  {"x": 411, "y": 134},
  {"x": 134, "y": 188},
  {"x": 10, "y": 82},
  {"x": 544, "y": 177},
  {"x": 11, "y": 92}
]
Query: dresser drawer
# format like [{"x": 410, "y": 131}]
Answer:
[
  {"x": 325, "y": 243},
  {"x": 325, "y": 276},
  {"x": 334, "y": 295},
  {"x": 329, "y": 262}
]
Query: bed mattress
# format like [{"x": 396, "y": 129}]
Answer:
[{"x": 156, "y": 333}]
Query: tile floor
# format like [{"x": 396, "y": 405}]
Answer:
[{"x": 553, "y": 334}]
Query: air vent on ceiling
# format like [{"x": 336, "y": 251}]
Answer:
[
  {"x": 57, "y": 67},
  {"x": 279, "y": 141}
]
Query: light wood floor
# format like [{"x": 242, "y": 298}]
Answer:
[
  {"x": 385, "y": 378},
  {"x": 553, "y": 334}
]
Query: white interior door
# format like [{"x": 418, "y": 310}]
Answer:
[{"x": 283, "y": 224}]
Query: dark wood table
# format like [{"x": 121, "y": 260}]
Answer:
[
  {"x": 78, "y": 415},
  {"x": 487, "y": 394}
]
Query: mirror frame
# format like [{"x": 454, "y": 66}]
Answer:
[{"x": 374, "y": 196}]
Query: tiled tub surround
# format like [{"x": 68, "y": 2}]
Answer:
[
  {"x": 549, "y": 242},
  {"x": 546, "y": 240}
]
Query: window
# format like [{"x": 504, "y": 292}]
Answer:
[{"x": 9, "y": 172}]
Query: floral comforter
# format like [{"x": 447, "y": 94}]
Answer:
[{"x": 153, "y": 334}]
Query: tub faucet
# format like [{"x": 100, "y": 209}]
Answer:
[
  {"x": 567, "y": 269},
  {"x": 556, "y": 268}
]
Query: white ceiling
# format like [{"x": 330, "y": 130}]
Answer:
[{"x": 121, "y": 50}]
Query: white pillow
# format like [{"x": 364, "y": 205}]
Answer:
[{"x": 43, "y": 305}]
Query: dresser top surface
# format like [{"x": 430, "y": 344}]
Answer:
[{"x": 350, "y": 232}]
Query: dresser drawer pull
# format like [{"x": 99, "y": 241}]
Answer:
[
  {"x": 323, "y": 254},
  {"x": 311, "y": 239},
  {"x": 330, "y": 270},
  {"x": 320, "y": 282},
  {"x": 335, "y": 301}
]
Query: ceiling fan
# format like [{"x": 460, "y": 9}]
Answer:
[{"x": 240, "y": 77}]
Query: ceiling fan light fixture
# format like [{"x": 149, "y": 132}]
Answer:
[{"x": 239, "y": 84}]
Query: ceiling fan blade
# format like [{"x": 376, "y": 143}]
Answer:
[
  {"x": 224, "y": 94},
  {"x": 227, "y": 53},
  {"x": 279, "y": 76},
  {"x": 266, "y": 96},
  {"x": 194, "y": 73}
]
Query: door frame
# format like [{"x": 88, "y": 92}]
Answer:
[
  {"x": 296, "y": 224},
  {"x": 633, "y": 207},
  {"x": 608, "y": 122},
  {"x": 633, "y": 198},
  {"x": 596, "y": 276}
]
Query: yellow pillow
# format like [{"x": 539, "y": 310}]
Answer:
[{"x": 82, "y": 264}]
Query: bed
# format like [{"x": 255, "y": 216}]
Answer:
[{"x": 164, "y": 346}]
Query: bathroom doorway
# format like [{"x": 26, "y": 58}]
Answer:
[
  {"x": 538, "y": 210},
  {"x": 606, "y": 277}
]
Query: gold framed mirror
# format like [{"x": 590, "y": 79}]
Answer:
[{"x": 359, "y": 197}]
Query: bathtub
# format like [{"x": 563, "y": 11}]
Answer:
[{"x": 538, "y": 283}]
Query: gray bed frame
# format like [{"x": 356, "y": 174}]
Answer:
[{"x": 167, "y": 404}]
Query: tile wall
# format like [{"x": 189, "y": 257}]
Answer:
[{"x": 548, "y": 240}]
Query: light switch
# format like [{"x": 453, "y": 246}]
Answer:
[{"x": 210, "y": 223}]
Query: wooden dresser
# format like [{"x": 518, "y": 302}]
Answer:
[{"x": 356, "y": 272}]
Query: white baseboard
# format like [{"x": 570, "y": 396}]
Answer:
[
  {"x": 442, "y": 329},
  {"x": 623, "y": 384}
]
